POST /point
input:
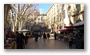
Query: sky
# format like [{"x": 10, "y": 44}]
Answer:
[{"x": 44, "y": 8}]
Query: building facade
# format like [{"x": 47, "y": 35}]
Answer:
[
  {"x": 60, "y": 15},
  {"x": 52, "y": 15},
  {"x": 75, "y": 13}
]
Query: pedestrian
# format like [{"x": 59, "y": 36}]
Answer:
[
  {"x": 26, "y": 38},
  {"x": 60, "y": 36},
  {"x": 19, "y": 41},
  {"x": 82, "y": 42},
  {"x": 79, "y": 41},
  {"x": 40, "y": 35},
  {"x": 23, "y": 39},
  {"x": 70, "y": 40},
  {"x": 82, "y": 39},
  {"x": 36, "y": 37},
  {"x": 44, "y": 37},
  {"x": 55, "y": 36},
  {"x": 48, "y": 35}
]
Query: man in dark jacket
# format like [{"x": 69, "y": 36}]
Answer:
[
  {"x": 19, "y": 41},
  {"x": 48, "y": 35},
  {"x": 23, "y": 39},
  {"x": 44, "y": 36},
  {"x": 36, "y": 37},
  {"x": 26, "y": 38},
  {"x": 55, "y": 35}
]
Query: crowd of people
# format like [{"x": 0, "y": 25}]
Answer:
[
  {"x": 21, "y": 39},
  {"x": 73, "y": 38},
  {"x": 43, "y": 35},
  {"x": 16, "y": 40},
  {"x": 79, "y": 39},
  {"x": 76, "y": 38}
]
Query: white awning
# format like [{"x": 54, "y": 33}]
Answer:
[
  {"x": 24, "y": 30},
  {"x": 79, "y": 23}
]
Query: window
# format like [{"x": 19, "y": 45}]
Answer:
[
  {"x": 41, "y": 18},
  {"x": 38, "y": 18},
  {"x": 54, "y": 19},
  {"x": 78, "y": 7},
  {"x": 69, "y": 7}
]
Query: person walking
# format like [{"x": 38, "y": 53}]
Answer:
[
  {"x": 55, "y": 36},
  {"x": 36, "y": 37},
  {"x": 40, "y": 35},
  {"x": 70, "y": 38},
  {"x": 79, "y": 41},
  {"x": 48, "y": 35},
  {"x": 19, "y": 41},
  {"x": 23, "y": 40},
  {"x": 26, "y": 37},
  {"x": 44, "y": 37}
]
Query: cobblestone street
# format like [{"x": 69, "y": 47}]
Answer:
[{"x": 48, "y": 44}]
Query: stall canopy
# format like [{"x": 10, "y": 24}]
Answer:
[
  {"x": 79, "y": 23},
  {"x": 24, "y": 30},
  {"x": 69, "y": 27},
  {"x": 55, "y": 30},
  {"x": 66, "y": 29}
]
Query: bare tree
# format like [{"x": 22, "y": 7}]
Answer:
[
  {"x": 21, "y": 13},
  {"x": 28, "y": 12}
]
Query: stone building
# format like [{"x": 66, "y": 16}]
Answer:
[
  {"x": 75, "y": 13},
  {"x": 60, "y": 15}
]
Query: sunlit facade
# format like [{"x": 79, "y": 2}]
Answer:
[
  {"x": 39, "y": 21},
  {"x": 60, "y": 15},
  {"x": 75, "y": 13},
  {"x": 52, "y": 15}
]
